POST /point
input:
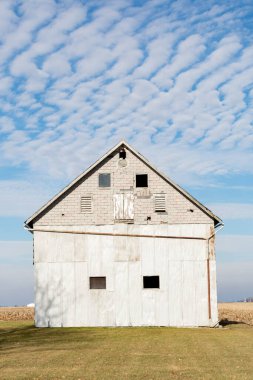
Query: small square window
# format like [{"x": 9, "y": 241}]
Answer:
[
  {"x": 97, "y": 282},
  {"x": 151, "y": 282},
  {"x": 104, "y": 180},
  {"x": 122, "y": 154},
  {"x": 141, "y": 180}
]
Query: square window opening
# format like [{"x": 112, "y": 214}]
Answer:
[
  {"x": 122, "y": 154},
  {"x": 97, "y": 282},
  {"x": 141, "y": 180},
  {"x": 151, "y": 282},
  {"x": 104, "y": 180}
]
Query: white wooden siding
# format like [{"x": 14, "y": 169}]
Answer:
[{"x": 64, "y": 263}]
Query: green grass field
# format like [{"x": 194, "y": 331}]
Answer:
[{"x": 27, "y": 352}]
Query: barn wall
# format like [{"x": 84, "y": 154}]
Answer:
[
  {"x": 64, "y": 263},
  {"x": 68, "y": 212}
]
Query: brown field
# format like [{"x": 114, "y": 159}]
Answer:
[
  {"x": 241, "y": 312},
  {"x": 16, "y": 313}
]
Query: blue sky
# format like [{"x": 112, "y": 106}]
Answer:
[{"x": 173, "y": 78}]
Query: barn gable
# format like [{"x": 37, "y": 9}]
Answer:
[{"x": 122, "y": 187}]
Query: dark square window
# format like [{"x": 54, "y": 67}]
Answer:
[
  {"x": 122, "y": 154},
  {"x": 151, "y": 282},
  {"x": 141, "y": 180},
  {"x": 104, "y": 180},
  {"x": 97, "y": 282}
]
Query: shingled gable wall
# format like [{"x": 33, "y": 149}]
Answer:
[{"x": 66, "y": 211}]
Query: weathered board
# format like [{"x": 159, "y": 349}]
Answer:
[{"x": 123, "y": 206}]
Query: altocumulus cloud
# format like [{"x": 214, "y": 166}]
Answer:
[
  {"x": 168, "y": 76},
  {"x": 174, "y": 78}
]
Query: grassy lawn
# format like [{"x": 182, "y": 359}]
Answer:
[{"x": 125, "y": 353}]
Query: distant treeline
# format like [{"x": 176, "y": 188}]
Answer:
[{"x": 249, "y": 299}]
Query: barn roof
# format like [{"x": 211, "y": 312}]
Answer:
[{"x": 36, "y": 215}]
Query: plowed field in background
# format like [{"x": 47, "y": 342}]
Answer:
[
  {"x": 241, "y": 312},
  {"x": 16, "y": 313},
  {"x": 230, "y": 312}
]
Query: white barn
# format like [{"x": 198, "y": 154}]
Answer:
[{"x": 123, "y": 245}]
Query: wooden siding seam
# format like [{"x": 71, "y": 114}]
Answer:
[{"x": 120, "y": 234}]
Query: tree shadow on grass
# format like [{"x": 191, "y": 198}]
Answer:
[
  {"x": 227, "y": 322},
  {"x": 13, "y": 330},
  {"x": 31, "y": 337}
]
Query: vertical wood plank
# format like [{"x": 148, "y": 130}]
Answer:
[
  {"x": 93, "y": 243},
  {"x": 107, "y": 311},
  {"x": 80, "y": 248},
  {"x": 101, "y": 308},
  {"x": 128, "y": 205},
  {"x": 41, "y": 296},
  {"x": 147, "y": 251},
  {"x": 188, "y": 299},
  {"x": 118, "y": 201},
  {"x": 201, "y": 293},
  {"x": 148, "y": 307},
  {"x": 162, "y": 270},
  {"x": 120, "y": 246},
  {"x": 175, "y": 293},
  {"x": 54, "y": 304},
  {"x": 107, "y": 256},
  {"x": 121, "y": 293},
  {"x": 135, "y": 293},
  {"x": 81, "y": 294},
  {"x": 213, "y": 289},
  {"x": 68, "y": 294},
  {"x": 133, "y": 244},
  {"x": 66, "y": 247}
]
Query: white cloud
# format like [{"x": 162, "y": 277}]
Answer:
[
  {"x": 57, "y": 65},
  {"x": 187, "y": 53},
  {"x": 8, "y": 18},
  {"x": 159, "y": 51},
  {"x": 122, "y": 70},
  {"x": 6, "y": 83},
  {"x": 20, "y": 31},
  {"x": 94, "y": 63},
  {"x": 126, "y": 62},
  {"x": 6, "y": 124}
]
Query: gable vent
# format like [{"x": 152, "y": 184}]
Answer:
[
  {"x": 160, "y": 204},
  {"x": 86, "y": 204}
]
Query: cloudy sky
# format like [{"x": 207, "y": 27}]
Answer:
[{"x": 173, "y": 78}]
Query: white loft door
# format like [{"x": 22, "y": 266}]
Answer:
[{"x": 123, "y": 206}]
